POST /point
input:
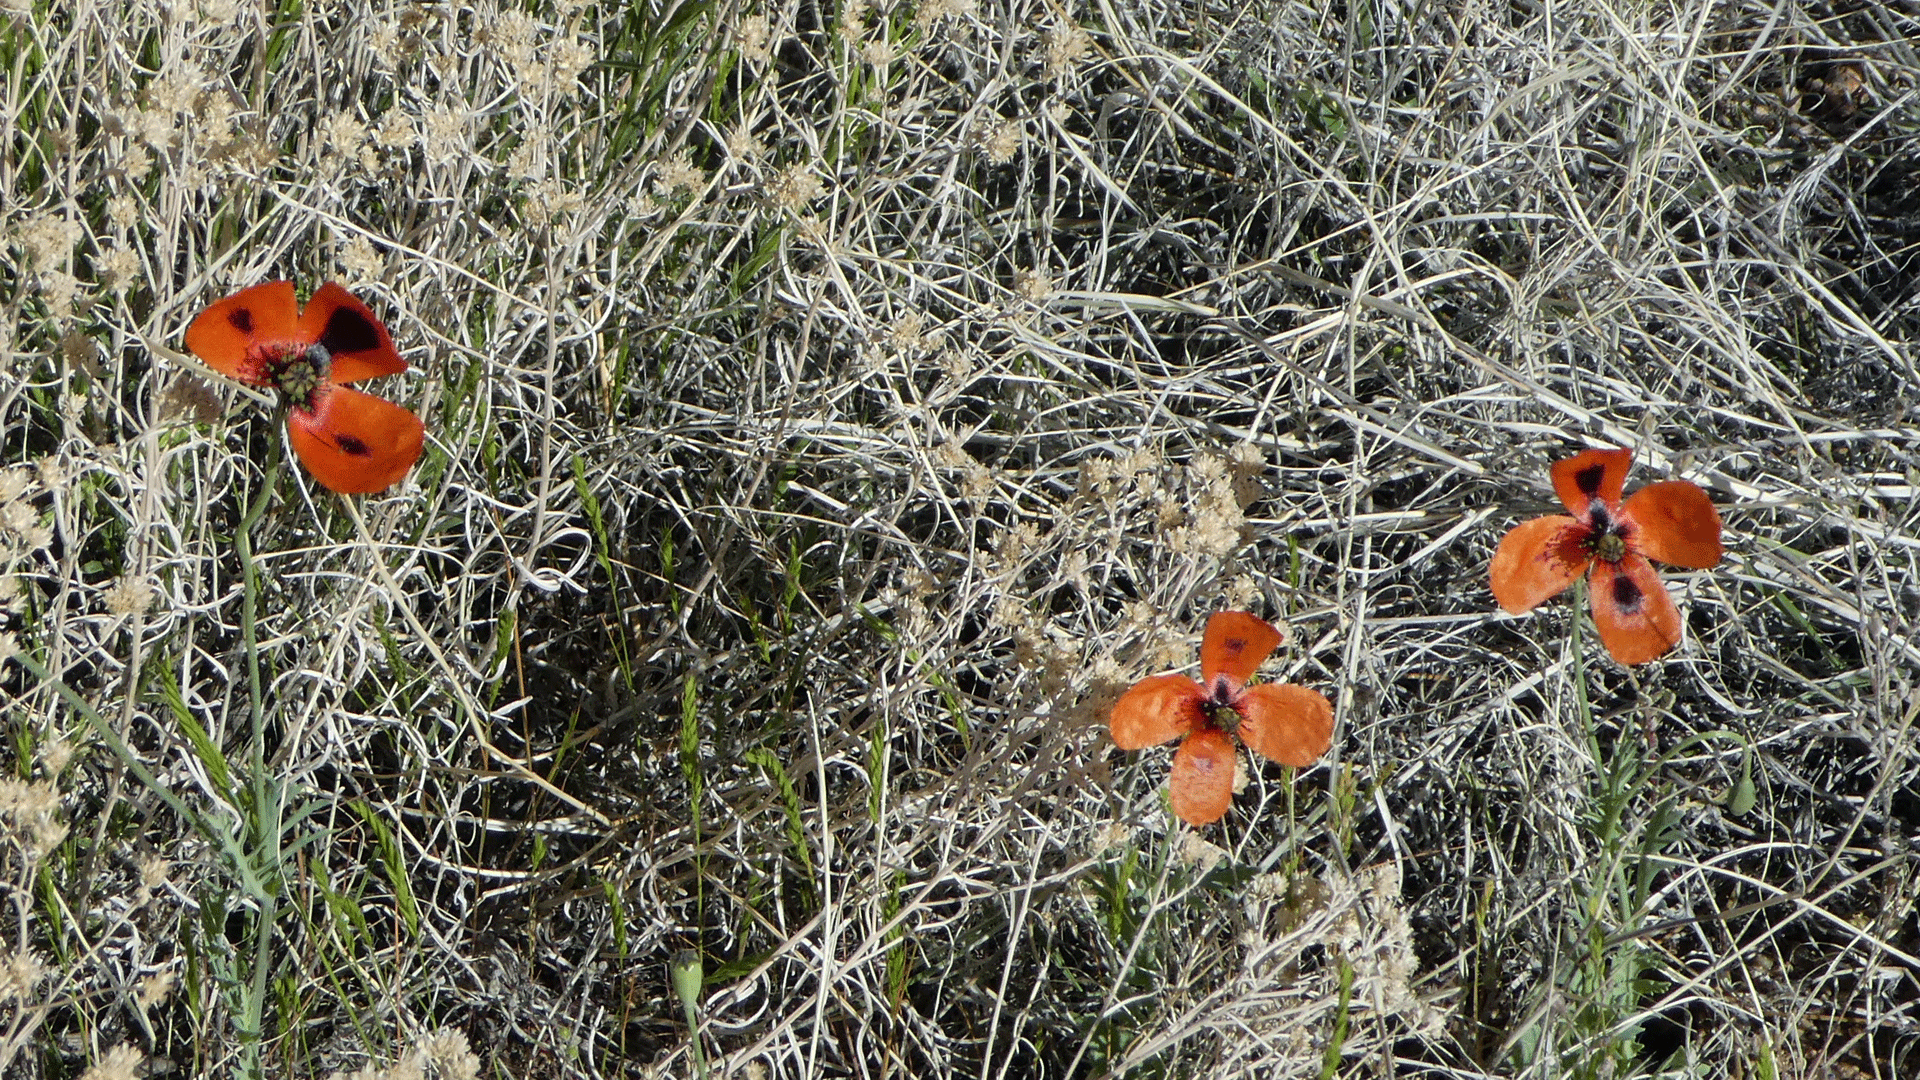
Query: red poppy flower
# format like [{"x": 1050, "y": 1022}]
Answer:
[
  {"x": 1290, "y": 724},
  {"x": 1672, "y": 521},
  {"x": 352, "y": 442}
]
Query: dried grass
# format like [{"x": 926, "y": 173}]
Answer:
[{"x": 830, "y": 411}]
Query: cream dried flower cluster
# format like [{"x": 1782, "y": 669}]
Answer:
[
  {"x": 931, "y": 13},
  {"x": 793, "y": 187},
  {"x": 20, "y": 975},
  {"x": 1066, "y": 45},
  {"x": 541, "y": 59},
  {"x": 1215, "y": 525},
  {"x": 677, "y": 173},
  {"x": 1200, "y": 510},
  {"x": 439, "y": 1055},
  {"x": 753, "y": 36},
  {"x": 46, "y": 244},
  {"x": 999, "y": 139},
  {"x": 123, "y": 1062},
  {"x": 22, "y": 532},
  {"x": 31, "y": 812}
]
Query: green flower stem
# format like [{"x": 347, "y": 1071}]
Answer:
[{"x": 265, "y": 819}]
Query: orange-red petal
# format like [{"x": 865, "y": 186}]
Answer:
[
  {"x": 1537, "y": 560},
  {"x": 1155, "y": 711},
  {"x": 1631, "y": 609},
  {"x": 1290, "y": 724},
  {"x": 227, "y": 331},
  {"x": 357, "y": 339},
  {"x": 1676, "y": 523},
  {"x": 1237, "y": 643},
  {"x": 356, "y": 443},
  {"x": 1590, "y": 475},
  {"x": 1202, "y": 782}
]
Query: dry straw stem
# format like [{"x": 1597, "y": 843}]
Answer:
[{"x": 831, "y": 410}]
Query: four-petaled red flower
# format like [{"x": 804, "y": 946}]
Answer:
[
  {"x": 352, "y": 442},
  {"x": 1290, "y": 724},
  {"x": 1672, "y": 521}
]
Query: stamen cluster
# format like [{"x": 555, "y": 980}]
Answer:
[{"x": 299, "y": 374}]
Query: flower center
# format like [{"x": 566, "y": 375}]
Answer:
[
  {"x": 299, "y": 374},
  {"x": 1218, "y": 707},
  {"x": 1605, "y": 537}
]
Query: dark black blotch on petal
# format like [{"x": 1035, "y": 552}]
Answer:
[
  {"x": 1588, "y": 479},
  {"x": 353, "y": 446},
  {"x": 242, "y": 319},
  {"x": 348, "y": 331},
  {"x": 1626, "y": 595}
]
